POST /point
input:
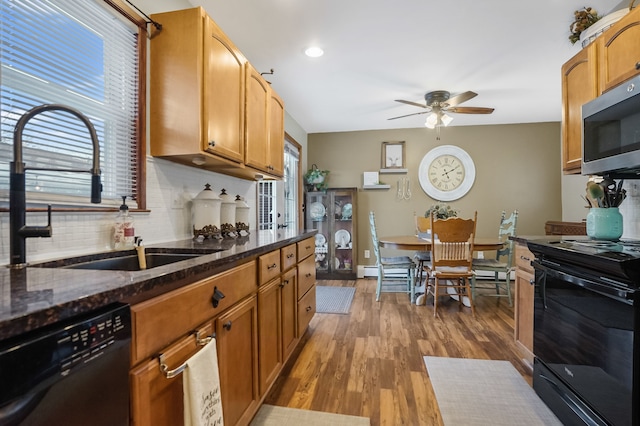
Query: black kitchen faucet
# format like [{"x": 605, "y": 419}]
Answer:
[{"x": 19, "y": 231}]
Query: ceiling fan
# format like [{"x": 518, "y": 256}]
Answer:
[{"x": 439, "y": 103}]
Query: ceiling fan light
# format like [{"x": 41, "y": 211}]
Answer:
[
  {"x": 446, "y": 119},
  {"x": 432, "y": 121},
  {"x": 314, "y": 52}
]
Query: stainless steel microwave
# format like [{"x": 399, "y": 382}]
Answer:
[{"x": 611, "y": 132}]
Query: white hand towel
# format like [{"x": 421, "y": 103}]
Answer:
[{"x": 201, "y": 389}]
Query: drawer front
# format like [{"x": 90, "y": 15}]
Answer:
[
  {"x": 306, "y": 275},
  {"x": 269, "y": 266},
  {"x": 288, "y": 257},
  {"x": 306, "y": 310},
  {"x": 524, "y": 257},
  {"x": 161, "y": 320},
  {"x": 306, "y": 248}
]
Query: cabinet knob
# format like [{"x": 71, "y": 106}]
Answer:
[
  {"x": 217, "y": 297},
  {"x": 285, "y": 282},
  {"x": 532, "y": 282},
  {"x": 227, "y": 325},
  {"x": 638, "y": 65},
  {"x": 308, "y": 275},
  {"x": 212, "y": 143},
  {"x": 309, "y": 308}
]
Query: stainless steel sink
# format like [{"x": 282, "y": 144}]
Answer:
[
  {"x": 124, "y": 260},
  {"x": 130, "y": 263}
]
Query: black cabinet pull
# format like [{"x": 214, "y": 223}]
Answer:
[
  {"x": 227, "y": 325},
  {"x": 217, "y": 297}
]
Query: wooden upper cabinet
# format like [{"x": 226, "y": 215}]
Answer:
[
  {"x": 257, "y": 120},
  {"x": 579, "y": 85},
  {"x": 276, "y": 135},
  {"x": 619, "y": 51},
  {"x": 197, "y": 91},
  {"x": 223, "y": 91},
  {"x": 264, "y": 126}
]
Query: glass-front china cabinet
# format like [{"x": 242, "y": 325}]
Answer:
[{"x": 333, "y": 213}]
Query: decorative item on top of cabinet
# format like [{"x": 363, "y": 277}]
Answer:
[
  {"x": 579, "y": 86},
  {"x": 333, "y": 213}
]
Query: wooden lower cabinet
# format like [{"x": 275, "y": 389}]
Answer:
[
  {"x": 270, "y": 319},
  {"x": 289, "y": 303},
  {"x": 155, "y": 399},
  {"x": 237, "y": 338},
  {"x": 257, "y": 326},
  {"x": 525, "y": 291}
]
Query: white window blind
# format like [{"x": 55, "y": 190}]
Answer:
[
  {"x": 266, "y": 204},
  {"x": 80, "y": 54}
]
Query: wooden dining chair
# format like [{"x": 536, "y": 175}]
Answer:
[
  {"x": 451, "y": 259},
  {"x": 386, "y": 282},
  {"x": 503, "y": 262},
  {"x": 423, "y": 226}
]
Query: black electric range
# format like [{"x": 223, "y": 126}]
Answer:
[
  {"x": 586, "y": 333},
  {"x": 616, "y": 259}
]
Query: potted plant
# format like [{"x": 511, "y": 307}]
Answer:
[
  {"x": 441, "y": 210},
  {"x": 316, "y": 179}
]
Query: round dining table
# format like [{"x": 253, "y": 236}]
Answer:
[{"x": 413, "y": 242}]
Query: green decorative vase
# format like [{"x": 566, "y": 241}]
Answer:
[{"x": 604, "y": 223}]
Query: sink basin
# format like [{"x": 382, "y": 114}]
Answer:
[
  {"x": 130, "y": 263},
  {"x": 124, "y": 260}
]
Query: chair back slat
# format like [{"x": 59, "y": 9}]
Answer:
[{"x": 452, "y": 241}]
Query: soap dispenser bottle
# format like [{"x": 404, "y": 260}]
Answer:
[{"x": 124, "y": 232}]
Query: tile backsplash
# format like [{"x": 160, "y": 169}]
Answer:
[
  {"x": 630, "y": 210},
  {"x": 170, "y": 188}
]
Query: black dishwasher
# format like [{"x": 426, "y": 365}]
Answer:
[{"x": 71, "y": 373}]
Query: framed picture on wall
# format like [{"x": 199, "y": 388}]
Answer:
[{"x": 393, "y": 155}]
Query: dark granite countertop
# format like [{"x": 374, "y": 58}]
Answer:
[{"x": 34, "y": 297}]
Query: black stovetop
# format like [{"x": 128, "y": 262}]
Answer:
[{"x": 619, "y": 259}]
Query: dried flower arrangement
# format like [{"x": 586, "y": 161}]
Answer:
[
  {"x": 442, "y": 211},
  {"x": 584, "y": 18}
]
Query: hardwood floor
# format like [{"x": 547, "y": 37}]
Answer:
[{"x": 369, "y": 363}]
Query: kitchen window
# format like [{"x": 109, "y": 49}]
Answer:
[
  {"x": 87, "y": 55},
  {"x": 291, "y": 183}
]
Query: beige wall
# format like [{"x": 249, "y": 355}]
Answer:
[{"x": 517, "y": 167}]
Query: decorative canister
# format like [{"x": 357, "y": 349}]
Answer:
[
  {"x": 242, "y": 216},
  {"x": 604, "y": 223},
  {"x": 227, "y": 215},
  {"x": 206, "y": 214}
]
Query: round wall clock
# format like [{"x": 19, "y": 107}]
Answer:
[{"x": 446, "y": 173}]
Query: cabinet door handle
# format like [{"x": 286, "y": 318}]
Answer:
[
  {"x": 227, "y": 325},
  {"x": 290, "y": 255},
  {"x": 308, "y": 274},
  {"x": 525, "y": 258},
  {"x": 638, "y": 65},
  {"x": 217, "y": 297},
  {"x": 532, "y": 282},
  {"x": 212, "y": 144},
  {"x": 272, "y": 266},
  {"x": 285, "y": 282},
  {"x": 307, "y": 247},
  {"x": 309, "y": 308}
]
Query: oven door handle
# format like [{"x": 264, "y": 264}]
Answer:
[{"x": 610, "y": 289}]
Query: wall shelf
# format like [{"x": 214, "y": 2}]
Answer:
[
  {"x": 394, "y": 171},
  {"x": 376, "y": 186}
]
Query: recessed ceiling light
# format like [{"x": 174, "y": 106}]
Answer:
[{"x": 314, "y": 52}]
